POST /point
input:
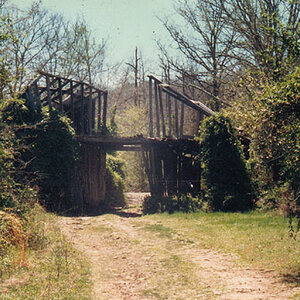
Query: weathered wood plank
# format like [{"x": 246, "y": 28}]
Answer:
[
  {"x": 157, "y": 109},
  {"x": 67, "y": 79},
  {"x": 82, "y": 108},
  {"x": 197, "y": 105},
  {"x": 99, "y": 111},
  {"x": 48, "y": 92},
  {"x": 60, "y": 96},
  {"x": 90, "y": 112},
  {"x": 169, "y": 108},
  {"x": 72, "y": 102},
  {"x": 176, "y": 119},
  {"x": 181, "y": 119},
  {"x": 150, "y": 109},
  {"x": 104, "y": 109},
  {"x": 161, "y": 112}
]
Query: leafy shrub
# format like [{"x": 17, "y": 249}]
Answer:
[
  {"x": 152, "y": 204},
  {"x": 14, "y": 111},
  {"x": 268, "y": 114},
  {"x": 276, "y": 142},
  {"x": 114, "y": 195},
  {"x": 6, "y": 181},
  {"x": 183, "y": 203},
  {"x": 55, "y": 152},
  {"x": 225, "y": 181},
  {"x": 115, "y": 164}
]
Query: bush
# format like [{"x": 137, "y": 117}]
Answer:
[
  {"x": 268, "y": 115},
  {"x": 276, "y": 143},
  {"x": 115, "y": 164},
  {"x": 183, "y": 203},
  {"x": 55, "y": 152},
  {"x": 114, "y": 195},
  {"x": 12, "y": 236},
  {"x": 225, "y": 181}
]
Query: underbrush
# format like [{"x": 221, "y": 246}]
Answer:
[
  {"x": 183, "y": 203},
  {"x": 37, "y": 262},
  {"x": 114, "y": 180}
]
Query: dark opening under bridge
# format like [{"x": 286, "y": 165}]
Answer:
[{"x": 166, "y": 151}]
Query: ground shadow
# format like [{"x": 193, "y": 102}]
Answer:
[
  {"x": 292, "y": 278},
  {"x": 132, "y": 209},
  {"x": 124, "y": 212}
]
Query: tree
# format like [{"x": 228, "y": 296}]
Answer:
[
  {"x": 225, "y": 180},
  {"x": 206, "y": 46},
  {"x": 34, "y": 43},
  {"x": 221, "y": 39},
  {"x": 83, "y": 57},
  {"x": 268, "y": 33},
  {"x": 39, "y": 39}
]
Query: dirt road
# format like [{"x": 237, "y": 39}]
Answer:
[{"x": 134, "y": 257}]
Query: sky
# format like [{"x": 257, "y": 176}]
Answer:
[{"x": 125, "y": 23}]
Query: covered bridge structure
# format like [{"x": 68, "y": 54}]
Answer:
[{"x": 167, "y": 151}]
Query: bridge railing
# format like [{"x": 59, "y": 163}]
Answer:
[
  {"x": 169, "y": 111},
  {"x": 85, "y": 104}
]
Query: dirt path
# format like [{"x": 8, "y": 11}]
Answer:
[{"x": 133, "y": 257}]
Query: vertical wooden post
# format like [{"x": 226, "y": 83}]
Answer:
[
  {"x": 72, "y": 102},
  {"x": 104, "y": 109},
  {"x": 162, "y": 112},
  {"x": 82, "y": 108},
  {"x": 60, "y": 97},
  {"x": 90, "y": 113},
  {"x": 93, "y": 114},
  {"x": 146, "y": 160},
  {"x": 36, "y": 96},
  {"x": 48, "y": 92},
  {"x": 156, "y": 109},
  {"x": 99, "y": 111},
  {"x": 169, "y": 114},
  {"x": 159, "y": 174},
  {"x": 179, "y": 173},
  {"x": 181, "y": 120},
  {"x": 150, "y": 108},
  {"x": 176, "y": 117},
  {"x": 153, "y": 168}
]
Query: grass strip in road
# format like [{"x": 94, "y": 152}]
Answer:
[{"x": 258, "y": 239}]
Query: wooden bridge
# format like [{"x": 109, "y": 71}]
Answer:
[{"x": 166, "y": 151}]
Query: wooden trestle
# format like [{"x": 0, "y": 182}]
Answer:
[{"x": 167, "y": 152}]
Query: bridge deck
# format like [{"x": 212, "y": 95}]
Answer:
[{"x": 138, "y": 143}]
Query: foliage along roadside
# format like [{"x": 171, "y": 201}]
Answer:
[
  {"x": 268, "y": 113},
  {"x": 49, "y": 269},
  {"x": 225, "y": 181}
]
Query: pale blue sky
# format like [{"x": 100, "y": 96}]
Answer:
[{"x": 126, "y": 23}]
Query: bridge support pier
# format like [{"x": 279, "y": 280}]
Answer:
[
  {"x": 92, "y": 173},
  {"x": 171, "y": 169}
]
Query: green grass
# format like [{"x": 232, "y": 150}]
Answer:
[
  {"x": 162, "y": 230},
  {"x": 53, "y": 269},
  {"x": 261, "y": 240}
]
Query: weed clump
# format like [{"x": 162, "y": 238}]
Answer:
[
  {"x": 183, "y": 203},
  {"x": 12, "y": 236}
]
